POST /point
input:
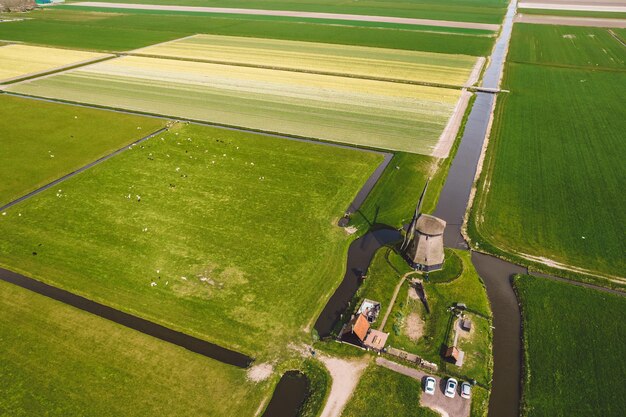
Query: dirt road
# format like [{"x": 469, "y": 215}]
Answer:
[
  {"x": 447, "y": 407},
  {"x": 581, "y": 5},
  {"x": 570, "y": 21},
  {"x": 346, "y": 375},
  {"x": 288, "y": 13}
]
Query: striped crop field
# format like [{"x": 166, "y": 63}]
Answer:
[
  {"x": 363, "y": 112},
  {"x": 356, "y": 61},
  {"x": 19, "y": 61}
]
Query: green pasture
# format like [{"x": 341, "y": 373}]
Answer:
[
  {"x": 574, "y": 13},
  {"x": 555, "y": 169},
  {"x": 484, "y": 11},
  {"x": 225, "y": 235},
  {"x": 125, "y": 31},
  {"x": 59, "y": 361},
  {"x": 566, "y": 46},
  {"x": 574, "y": 359},
  {"x": 383, "y": 393},
  {"x": 43, "y": 141},
  {"x": 436, "y": 332}
]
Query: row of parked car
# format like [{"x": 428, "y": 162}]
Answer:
[{"x": 451, "y": 386}]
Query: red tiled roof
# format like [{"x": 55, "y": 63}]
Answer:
[{"x": 360, "y": 327}]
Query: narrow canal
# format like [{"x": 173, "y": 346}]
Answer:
[{"x": 496, "y": 273}]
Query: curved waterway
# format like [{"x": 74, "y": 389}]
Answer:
[
  {"x": 289, "y": 395},
  {"x": 360, "y": 256},
  {"x": 145, "y": 326}
]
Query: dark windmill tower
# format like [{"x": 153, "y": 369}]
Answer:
[{"x": 423, "y": 243}]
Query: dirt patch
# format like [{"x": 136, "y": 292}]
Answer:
[
  {"x": 260, "y": 372},
  {"x": 414, "y": 326}
]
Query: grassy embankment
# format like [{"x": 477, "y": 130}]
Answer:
[
  {"x": 124, "y": 31},
  {"x": 382, "y": 392},
  {"x": 237, "y": 231},
  {"x": 59, "y": 361},
  {"x": 553, "y": 178},
  {"x": 574, "y": 358},
  {"x": 483, "y": 11},
  {"x": 41, "y": 141}
]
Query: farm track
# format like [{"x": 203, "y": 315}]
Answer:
[
  {"x": 571, "y": 21},
  {"x": 287, "y": 13},
  {"x": 147, "y": 327}
]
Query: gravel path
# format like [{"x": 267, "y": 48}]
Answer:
[
  {"x": 571, "y": 21},
  {"x": 288, "y": 13}
]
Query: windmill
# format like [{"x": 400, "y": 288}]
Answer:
[
  {"x": 423, "y": 243},
  {"x": 410, "y": 233}
]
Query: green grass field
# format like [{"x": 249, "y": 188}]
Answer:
[
  {"x": 363, "y": 112},
  {"x": 125, "y": 31},
  {"x": 556, "y": 177},
  {"x": 59, "y": 361},
  {"x": 566, "y": 46},
  {"x": 467, "y": 289},
  {"x": 382, "y": 393},
  {"x": 574, "y": 355},
  {"x": 225, "y": 235},
  {"x": 42, "y": 141},
  {"x": 487, "y": 11}
]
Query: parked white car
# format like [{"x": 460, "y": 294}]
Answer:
[
  {"x": 466, "y": 390},
  {"x": 429, "y": 385},
  {"x": 451, "y": 387}
]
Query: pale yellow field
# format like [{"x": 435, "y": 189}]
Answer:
[
  {"x": 17, "y": 61},
  {"x": 357, "y": 61},
  {"x": 365, "y": 112}
]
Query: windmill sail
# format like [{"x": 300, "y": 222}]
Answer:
[{"x": 411, "y": 230}]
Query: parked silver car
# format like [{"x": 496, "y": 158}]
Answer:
[
  {"x": 466, "y": 390},
  {"x": 451, "y": 387},
  {"x": 429, "y": 385}
]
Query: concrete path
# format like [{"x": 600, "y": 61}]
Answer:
[
  {"x": 447, "y": 407},
  {"x": 570, "y": 21},
  {"x": 288, "y": 13}
]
